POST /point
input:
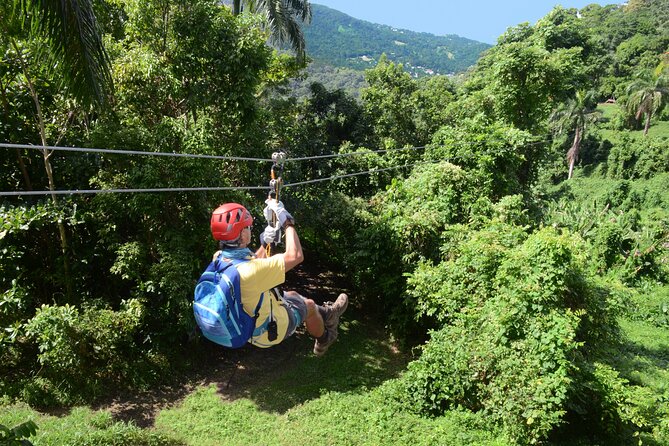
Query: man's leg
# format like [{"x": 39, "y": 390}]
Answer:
[
  {"x": 313, "y": 320},
  {"x": 330, "y": 312},
  {"x": 321, "y": 321}
]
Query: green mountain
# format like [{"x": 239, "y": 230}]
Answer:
[{"x": 337, "y": 39}]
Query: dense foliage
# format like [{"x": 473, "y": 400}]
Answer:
[{"x": 472, "y": 238}]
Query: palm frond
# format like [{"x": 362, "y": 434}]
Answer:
[
  {"x": 75, "y": 44},
  {"x": 300, "y": 9},
  {"x": 294, "y": 30},
  {"x": 282, "y": 17}
]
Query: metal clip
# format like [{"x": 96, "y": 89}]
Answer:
[
  {"x": 279, "y": 158},
  {"x": 275, "y": 184}
]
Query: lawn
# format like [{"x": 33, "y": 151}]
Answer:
[
  {"x": 608, "y": 111},
  {"x": 343, "y": 398}
]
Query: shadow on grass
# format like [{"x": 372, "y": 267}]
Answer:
[
  {"x": 282, "y": 376},
  {"x": 633, "y": 358},
  {"x": 289, "y": 374}
]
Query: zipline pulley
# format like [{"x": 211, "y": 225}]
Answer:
[{"x": 275, "y": 184}]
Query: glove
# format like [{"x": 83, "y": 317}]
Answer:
[
  {"x": 270, "y": 235},
  {"x": 276, "y": 208}
]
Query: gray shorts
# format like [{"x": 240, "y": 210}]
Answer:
[{"x": 296, "y": 309}]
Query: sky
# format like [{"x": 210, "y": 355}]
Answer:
[{"x": 482, "y": 20}]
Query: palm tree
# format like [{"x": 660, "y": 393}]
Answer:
[
  {"x": 648, "y": 95},
  {"x": 75, "y": 49},
  {"x": 281, "y": 18},
  {"x": 71, "y": 31},
  {"x": 575, "y": 115}
]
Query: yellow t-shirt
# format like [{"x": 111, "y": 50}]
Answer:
[{"x": 259, "y": 276}]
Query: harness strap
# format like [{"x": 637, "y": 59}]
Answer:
[{"x": 230, "y": 262}]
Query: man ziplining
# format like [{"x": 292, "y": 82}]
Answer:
[{"x": 237, "y": 275}]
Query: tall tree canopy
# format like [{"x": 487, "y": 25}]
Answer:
[{"x": 71, "y": 31}]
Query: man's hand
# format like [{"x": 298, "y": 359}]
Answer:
[
  {"x": 270, "y": 235},
  {"x": 276, "y": 208}
]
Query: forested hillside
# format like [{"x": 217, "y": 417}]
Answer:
[
  {"x": 348, "y": 80},
  {"x": 503, "y": 235},
  {"x": 337, "y": 39}
]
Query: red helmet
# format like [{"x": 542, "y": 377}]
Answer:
[{"x": 228, "y": 220}]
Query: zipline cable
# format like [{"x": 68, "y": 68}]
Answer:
[
  {"x": 232, "y": 158},
  {"x": 117, "y": 191},
  {"x": 336, "y": 177},
  {"x": 190, "y": 155},
  {"x": 195, "y": 189},
  {"x": 201, "y": 189},
  {"x": 367, "y": 152},
  {"x": 131, "y": 152}
]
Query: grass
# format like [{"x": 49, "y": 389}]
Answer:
[
  {"x": 82, "y": 427},
  {"x": 608, "y": 111},
  {"x": 346, "y": 398},
  {"x": 343, "y": 398},
  {"x": 644, "y": 360},
  {"x": 366, "y": 418},
  {"x": 363, "y": 358}
]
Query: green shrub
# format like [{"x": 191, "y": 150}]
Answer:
[
  {"x": 605, "y": 405},
  {"x": 466, "y": 279},
  {"x": 502, "y": 159},
  {"x": 16, "y": 355},
  {"x": 610, "y": 243},
  {"x": 626, "y": 225},
  {"x": 80, "y": 351},
  {"x": 513, "y": 350},
  {"x": 402, "y": 226},
  {"x": 640, "y": 158},
  {"x": 41, "y": 391}
]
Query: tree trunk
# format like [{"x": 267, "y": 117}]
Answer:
[
  {"x": 236, "y": 7},
  {"x": 24, "y": 171},
  {"x": 572, "y": 154},
  {"x": 49, "y": 171},
  {"x": 647, "y": 126}
]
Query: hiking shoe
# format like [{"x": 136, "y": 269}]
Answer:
[{"x": 331, "y": 321}]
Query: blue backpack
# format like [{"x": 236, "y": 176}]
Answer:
[{"x": 218, "y": 305}]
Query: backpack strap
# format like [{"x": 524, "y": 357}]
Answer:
[{"x": 235, "y": 262}]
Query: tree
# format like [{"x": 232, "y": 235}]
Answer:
[
  {"x": 433, "y": 96},
  {"x": 72, "y": 34},
  {"x": 389, "y": 103},
  {"x": 75, "y": 51},
  {"x": 575, "y": 115},
  {"x": 525, "y": 80},
  {"x": 648, "y": 95},
  {"x": 280, "y": 16}
]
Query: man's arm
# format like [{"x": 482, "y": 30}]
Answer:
[{"x": 293, "y": 255}]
